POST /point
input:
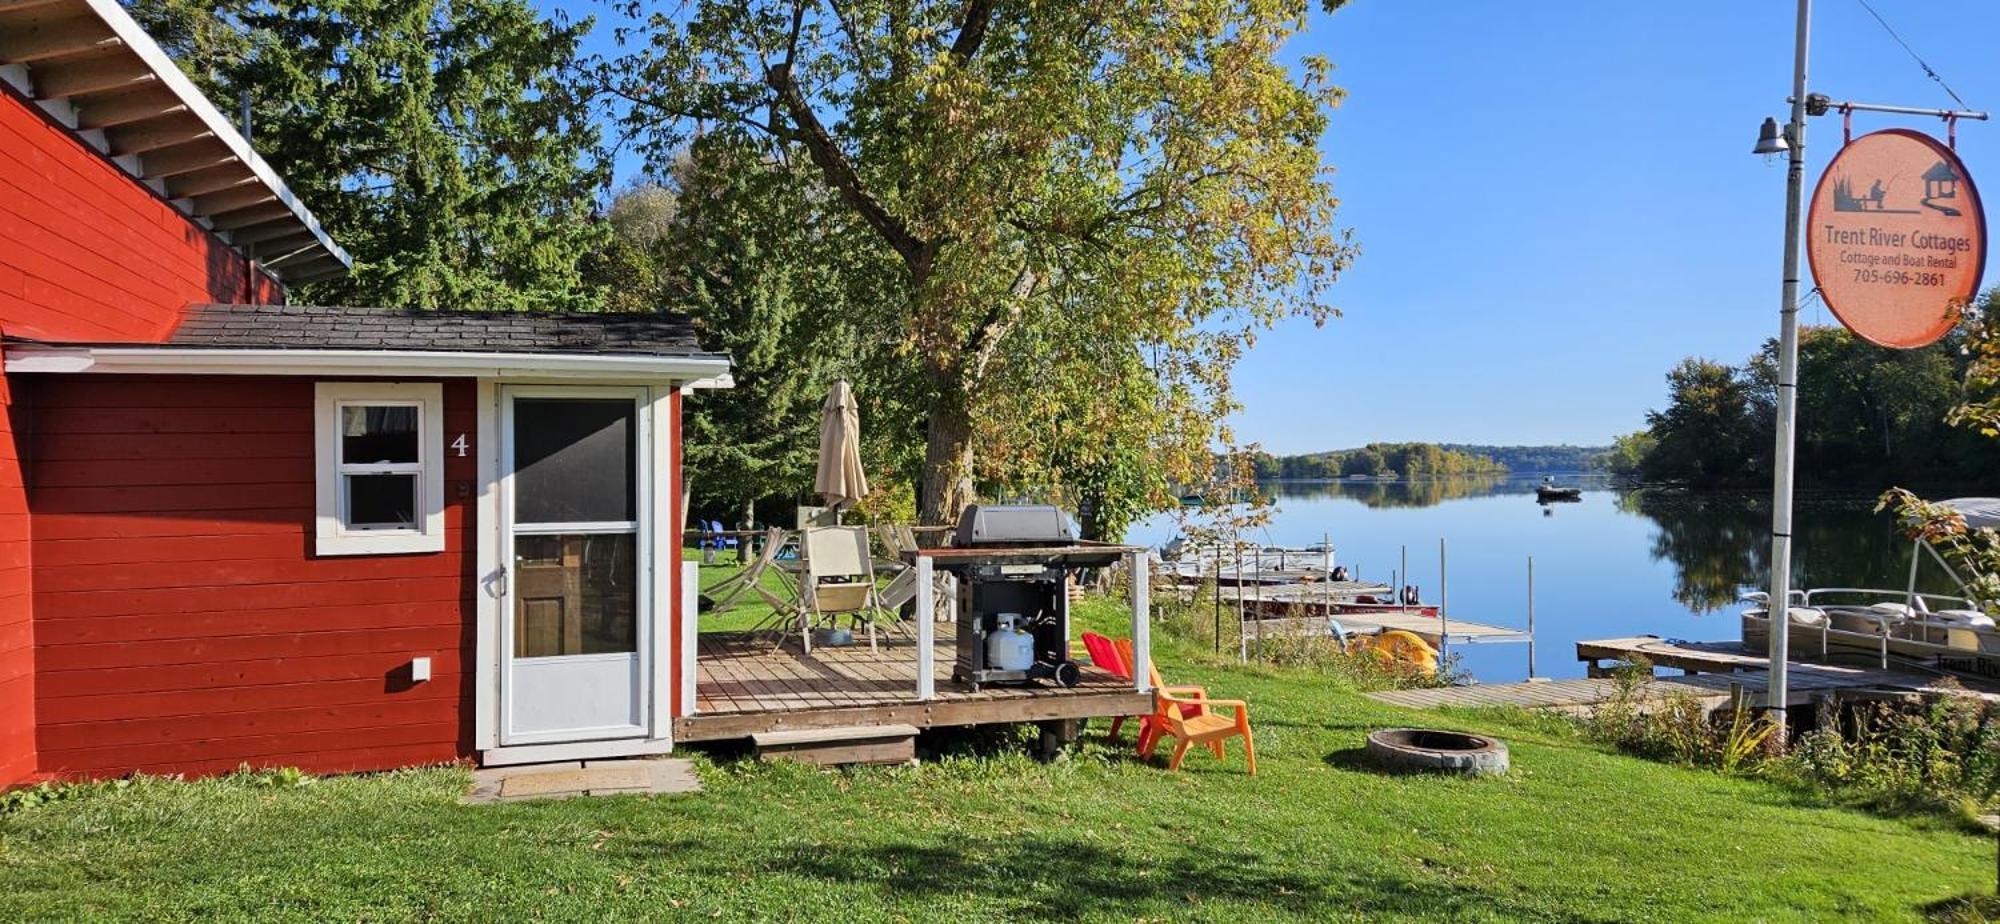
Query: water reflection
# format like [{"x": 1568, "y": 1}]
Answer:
[
  {"x": 1618, "y": 563},
  {"x": 1718, "y": 541},
  {"x": 1426, "y": 492}
]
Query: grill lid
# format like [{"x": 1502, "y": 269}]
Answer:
[{"x": 1013, "y": 524}]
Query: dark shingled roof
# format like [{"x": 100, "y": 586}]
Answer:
[{"x": 315, "y": 327}]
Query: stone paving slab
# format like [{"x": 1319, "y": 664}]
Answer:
[{"x": 569, "y": 779}]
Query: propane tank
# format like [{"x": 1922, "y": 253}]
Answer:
[{"x": 1009, "y": 648}]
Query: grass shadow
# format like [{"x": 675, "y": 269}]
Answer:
[
  {"x": 1963, "y": 909},
  {"x": 1062, "y": 878}
]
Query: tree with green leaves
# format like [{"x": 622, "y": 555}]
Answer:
[
  {"x": 1705, "y": 435},
  {"x": 751, "y": 253},
  {"x": 447, "y": 144},
  {"x": 1075, "y": 216},
  {"x": 1868, "y": 415},
  {"x": 1627, "y": 453}
]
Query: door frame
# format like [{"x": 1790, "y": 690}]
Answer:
[{"x": 492, "y": 536}]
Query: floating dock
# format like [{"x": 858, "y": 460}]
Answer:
[
  {"x": 1718, "y": 671},
  {"x": 1429, "y": 628},
  {"x": 1305, "y": 608}
]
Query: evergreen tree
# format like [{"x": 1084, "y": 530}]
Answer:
[{"x": 445, "y": 143}]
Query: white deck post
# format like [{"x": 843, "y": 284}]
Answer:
[
  {"x": 1142, "y": 629},
  {"x": 690, "y": 640},
  {"x": 926, "y": 630}
]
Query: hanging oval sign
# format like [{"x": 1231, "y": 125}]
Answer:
[{"x": 1897, "y": 238}]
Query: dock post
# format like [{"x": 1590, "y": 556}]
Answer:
[
  {"x": 1402, "y": 575},
  {"x": 1326, "y": 598},
  {"x": 1142, "y": 629},
  {"x": 1531, "y": 617},
  {"x": 1444, "y": 598},
  {"x": 1257, "y": 611},
  {"x": 1218, "y": 604},
  {"x": 1242, "y": 637},
  {"x": 926, "y": 629}
]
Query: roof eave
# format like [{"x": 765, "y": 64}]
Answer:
[
  {"x": 212, "y": 136},
  {"x": 702, "y": 371}
]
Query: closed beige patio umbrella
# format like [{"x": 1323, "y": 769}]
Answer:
[{"x": 840, "y": 479}]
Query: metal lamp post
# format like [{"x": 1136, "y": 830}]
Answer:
[{"x": 1793, "y": 143}]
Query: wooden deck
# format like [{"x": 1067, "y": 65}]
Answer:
[{"x": 744, "y": 688}]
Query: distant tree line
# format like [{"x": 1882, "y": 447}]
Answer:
[
  {"x": 1559, "y": 458},
  {"x": 1404, "y": 460},
  {"x": 1868, "y": 417}
]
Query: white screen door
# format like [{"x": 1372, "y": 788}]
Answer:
[{"x": 577, "y": 618}]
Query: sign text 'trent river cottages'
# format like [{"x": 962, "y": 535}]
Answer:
[{"x": 1896, "y": 237}]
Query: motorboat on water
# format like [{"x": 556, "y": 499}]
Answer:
[
  {"x": 1950, "y": 630},
  {"x": 1550, "y": 492}
]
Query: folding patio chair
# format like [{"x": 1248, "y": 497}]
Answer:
[
  {"x": 897, "y": 541},
  {"x": 752, "y": 575},
  {"x": 838, "y": 579}
]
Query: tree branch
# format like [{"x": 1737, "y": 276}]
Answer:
[
  {"x": 832, "y": 162},
  {"x": 985, "y": 340},
  {"x": 972, "y": 28}
]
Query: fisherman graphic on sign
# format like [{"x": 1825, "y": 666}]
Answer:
[
  {"x": 1940, "y": 182},
  {"x": 1844, "y": 199}
]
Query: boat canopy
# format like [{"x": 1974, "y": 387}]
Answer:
[{"x": 1979, "y": 512}]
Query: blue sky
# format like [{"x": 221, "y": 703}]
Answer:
[{"x": 1556, "y": 201}]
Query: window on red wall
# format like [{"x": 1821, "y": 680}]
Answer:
[{"x": 380, "y": 468}]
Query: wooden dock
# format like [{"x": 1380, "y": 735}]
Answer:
[
  {"x": 1720, "y": 670},
  {"x": 744, "y": 688},
  {"x": 1430, "y": 629},
  {"x": 1302, "y": 609}
]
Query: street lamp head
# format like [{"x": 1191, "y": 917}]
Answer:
[{"x": 1771, "y": 139}]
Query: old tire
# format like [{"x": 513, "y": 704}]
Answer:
[{"x": 1424, "y": 750}]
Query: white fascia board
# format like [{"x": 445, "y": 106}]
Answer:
[
  {"x": 135, "y": 38},
  {"x": 183, "y": 361}
]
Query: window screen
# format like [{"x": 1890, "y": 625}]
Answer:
[
  {"x": 573, "y": 460},
  {"x": 381, "y": 457}
]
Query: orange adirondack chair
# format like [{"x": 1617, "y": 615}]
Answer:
[{"x": 1182, "y": 713}]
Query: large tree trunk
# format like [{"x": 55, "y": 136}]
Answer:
[{"x": 947, "y": 477}]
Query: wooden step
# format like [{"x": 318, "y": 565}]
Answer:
[{"x": 850, "y": 744}]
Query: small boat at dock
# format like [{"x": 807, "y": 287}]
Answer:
[{"x": 1940, "y": 631}]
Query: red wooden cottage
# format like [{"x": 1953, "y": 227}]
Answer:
[{"x": 236, "y": 531}]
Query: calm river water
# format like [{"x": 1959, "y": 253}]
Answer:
[{"x": 1616, "y": 563}]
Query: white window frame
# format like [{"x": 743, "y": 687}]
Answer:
[{"x": 332, "y": 537}]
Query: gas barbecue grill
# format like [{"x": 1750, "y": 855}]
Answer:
[{"x": 1012, "y": 564}]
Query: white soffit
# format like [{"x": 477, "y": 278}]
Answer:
[{"x": 89, "y": 65}]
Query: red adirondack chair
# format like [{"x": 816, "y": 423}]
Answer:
[{"x": 1105, "y": 656}]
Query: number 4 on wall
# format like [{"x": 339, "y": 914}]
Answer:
[{"x": 461, "y": 445}]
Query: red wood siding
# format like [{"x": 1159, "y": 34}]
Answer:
[
  {"x": 17, "y": 630},
  {"x": 87, "y": 253},
  {"x": 182, "y": 623}
]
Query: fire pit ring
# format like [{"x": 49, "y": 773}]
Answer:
[{"x": 1428, "y": 750}]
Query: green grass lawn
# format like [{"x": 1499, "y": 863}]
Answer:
[{"x": 1574, "y": 834}]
